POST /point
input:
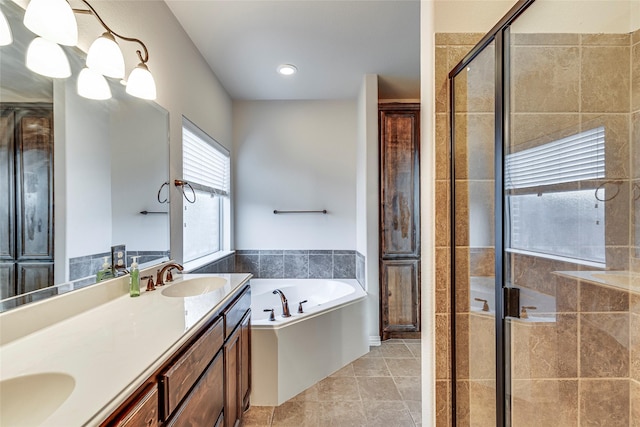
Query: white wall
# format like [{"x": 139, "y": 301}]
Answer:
[
  {"x": 295, "y": 155},
  {"x": 367, "y": 196}
]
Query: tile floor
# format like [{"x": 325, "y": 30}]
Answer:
[{"x": 382, "y": 388}]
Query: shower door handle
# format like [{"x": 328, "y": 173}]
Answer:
[{"x": 511, "y": 298}]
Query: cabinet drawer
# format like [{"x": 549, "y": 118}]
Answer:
[
  {"x": 180, "y": 377},
  {"x": 204, "y": 405},
  {"x": 235, "y": 313},
  {"x": 145, "y": 411}
]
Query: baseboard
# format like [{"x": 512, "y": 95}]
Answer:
[{"x": 374, "y": 341}]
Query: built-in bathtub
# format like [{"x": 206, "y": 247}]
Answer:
[{"x": 291, "y": 354}]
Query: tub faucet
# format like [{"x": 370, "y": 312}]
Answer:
[{"x": 285, "y": 304}]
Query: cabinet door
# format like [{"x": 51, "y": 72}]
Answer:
[
  {"x": 7, "y": 280},
  {"x": 245, "y": 365},
  {"x": 34, "y": 275},
  {"x": 7, "y": 203},
  {"x": 203, "y": 405},
  {"x": 400, "y": 299},
  {"x": 145, "y": 411},
  {"x": 232, "y": 364}
]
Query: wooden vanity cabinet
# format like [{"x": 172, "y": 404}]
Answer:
[{"x": 206, "y": 383}]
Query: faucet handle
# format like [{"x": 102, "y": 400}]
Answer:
[
  {"x": 523, "y": 311},
  {"x": 485, "y": 306},
  {"x": 300, "y": 306},
  {"x": 150, "y": 285},
  {"x": 169, "y": 275},
  {"x": 272, "y": 316}
]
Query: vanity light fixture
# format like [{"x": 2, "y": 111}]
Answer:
[
  {"x": 5, "y": 31},
  {"x": 93, "y": 85},
  {"x": 54, "y": 21},
  {"x": 287, "y": 69},
  {"x": 47, "y": 58}
]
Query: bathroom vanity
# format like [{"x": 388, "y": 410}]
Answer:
[{"x": 179, "y": 355}]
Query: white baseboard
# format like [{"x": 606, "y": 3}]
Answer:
[{"x": 374, "y": 341}]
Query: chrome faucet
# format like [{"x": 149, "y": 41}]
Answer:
[
  {"x": 285, "y": 304},
  {"x": 163, "y": 270}
]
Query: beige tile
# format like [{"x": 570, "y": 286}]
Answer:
[
  {"x": 474, "y": 144},
  {"x": 482, "y": 262},
  {"x": 530, "y": 130},
  {"x": 594, "y": 298},
  {"x": 403, "y": 367},
  {"x": 635, "y": 403},
  {"x": 476, "y": 403},
  {"x": 387, "y": 414},
  {"x": 634, "y": 338},
  {"x": 616, "y": 128},
  {"x": 635, "y": 77},
  {"x": 442, "y": 213},
  {"x": 441, "y": 78},
  {"x": 342, "y": 414},
  {"x": 606, "y": 39},
  {"x": 635, "y": 37},
  {"x": 605, "y": 79},
  {"x": 458, "y": 38},
  {"x": 443, "y": 342},
  {"x": 545, "y": 79},
  {"x": 258, "y": 416},
  {"x": 443, "y": 279},
  {"x": 374, "y": 352},
  {"x": 635, "y": 147},
  {"x": 297, "y": 414},
  {"x": 461, "y": 216},
  {"x": 410, "y": 388},
  {"x": 456, "y": 54},
  {"x": 309, "y": 395},
  {"x": 544, "y": 403},
  {"x": 395, "y": 349},
  {"x": 442, "y": 146},
  {"x": 566, "y": 295},
  {"x": 462, "y": 346},
  {"x": 415, "y": 349},
  {"x": 482, "y": 353},
  {"x": 443, "y": 403},
  {"x": 462, "y": 279},
  {"x": 604, "y": 345},
  {"x": 377, "y": 388},
  {"x": 338, "y": 389},
  {"x": 542, "y": 39},
  {"x": 475, "y": 86},
  {"x": 604, "y": 403},
  {"x": 346, "y": 371},
  {"x": 415, "y": 409},
  {"x": 371, "y": 367}
]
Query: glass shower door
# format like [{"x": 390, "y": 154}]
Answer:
[{"x": 474, "y": 314}]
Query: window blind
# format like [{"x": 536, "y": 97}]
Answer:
[
  {"x": 574, "y": 158},
  {"x": 204, "y": 161}
]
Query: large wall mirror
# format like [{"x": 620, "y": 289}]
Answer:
[{"x": 77, "y": 176}]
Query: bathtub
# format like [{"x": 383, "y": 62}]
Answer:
[{"x": 291, "y": 354}]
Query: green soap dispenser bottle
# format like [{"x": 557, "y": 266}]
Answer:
[
  {"x": 105, "y": 272},
  {"x": 134, "y": 279}
]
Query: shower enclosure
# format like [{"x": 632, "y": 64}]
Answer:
[{"x": 544, "y": 121}]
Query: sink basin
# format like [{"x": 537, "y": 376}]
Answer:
[
  {"x": 29, "y": 400},
  {"x": 626, "y": 280},
  {"x": 194, "y": 287}
]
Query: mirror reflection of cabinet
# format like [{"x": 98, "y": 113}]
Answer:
[{"x": 26, "y": 188}]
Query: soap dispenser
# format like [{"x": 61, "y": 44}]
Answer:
[
  {"x": 105, "y": 272},
  {"x": 134, "y": 278}
]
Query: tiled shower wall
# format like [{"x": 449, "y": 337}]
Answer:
[{"x": 585, "y": 367}]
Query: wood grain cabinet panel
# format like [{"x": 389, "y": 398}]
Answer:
[
  {"x": 144, "y": 412},
  {"x": 399, "y": 220},
  {"x": 206, "y": 402},
  {"x": 182, "y": 375},
  {"x": 233, "y": 316}
]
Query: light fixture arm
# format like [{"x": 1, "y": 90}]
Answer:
[{"x": 93, "y": 12}]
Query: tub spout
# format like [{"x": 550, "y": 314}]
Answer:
[{"x": 285, "y": 304}]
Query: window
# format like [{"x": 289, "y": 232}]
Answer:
[
  {"x": 551, "y": 202},
  {"x": 206, "y": 167}
]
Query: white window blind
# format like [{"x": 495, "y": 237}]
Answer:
[
  {"x": 575, "y": 158},
  {"x": 204, "y": 161}
]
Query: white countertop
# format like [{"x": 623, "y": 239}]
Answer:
[{"x": 111, "y": 349}]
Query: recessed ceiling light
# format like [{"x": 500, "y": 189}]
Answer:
[{"x": 287, "y": 69}]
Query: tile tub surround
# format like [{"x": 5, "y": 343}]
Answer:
[
  {"x": 380, "y": 389},
  {"x": 223, "y": 265},
  {"x": 301, "y": 264},
  {"x": 87, "y": 266}
]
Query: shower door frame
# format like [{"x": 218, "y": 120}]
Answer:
[{"x": 500, "y": 34}]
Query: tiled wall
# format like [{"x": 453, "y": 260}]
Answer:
[
  {"x": 85, "y": 266},
  {"x": 583, "y": 368},
  {"x": 223, "y": 265}
]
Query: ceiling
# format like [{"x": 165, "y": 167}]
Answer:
[{"x": 333, "y": 43}]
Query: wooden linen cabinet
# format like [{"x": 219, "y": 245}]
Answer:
[{"x": 399, "y": 132}]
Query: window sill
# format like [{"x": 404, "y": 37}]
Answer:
[
  {"x": 207, "y": 259},
  {"x": 557, "y": 258}
]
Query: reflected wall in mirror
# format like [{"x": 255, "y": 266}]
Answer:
[{"x": 75, "y": 175}]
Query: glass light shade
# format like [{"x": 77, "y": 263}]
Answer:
[
  {"x": 5, "y": 31},
  {"x": 141, "y": 83},
  {"x": 93, "y": 85},
  {"x": 47, "y": 58},
  {"x": 52, "y": 20},
  {"x": 105, "y": 57}
]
